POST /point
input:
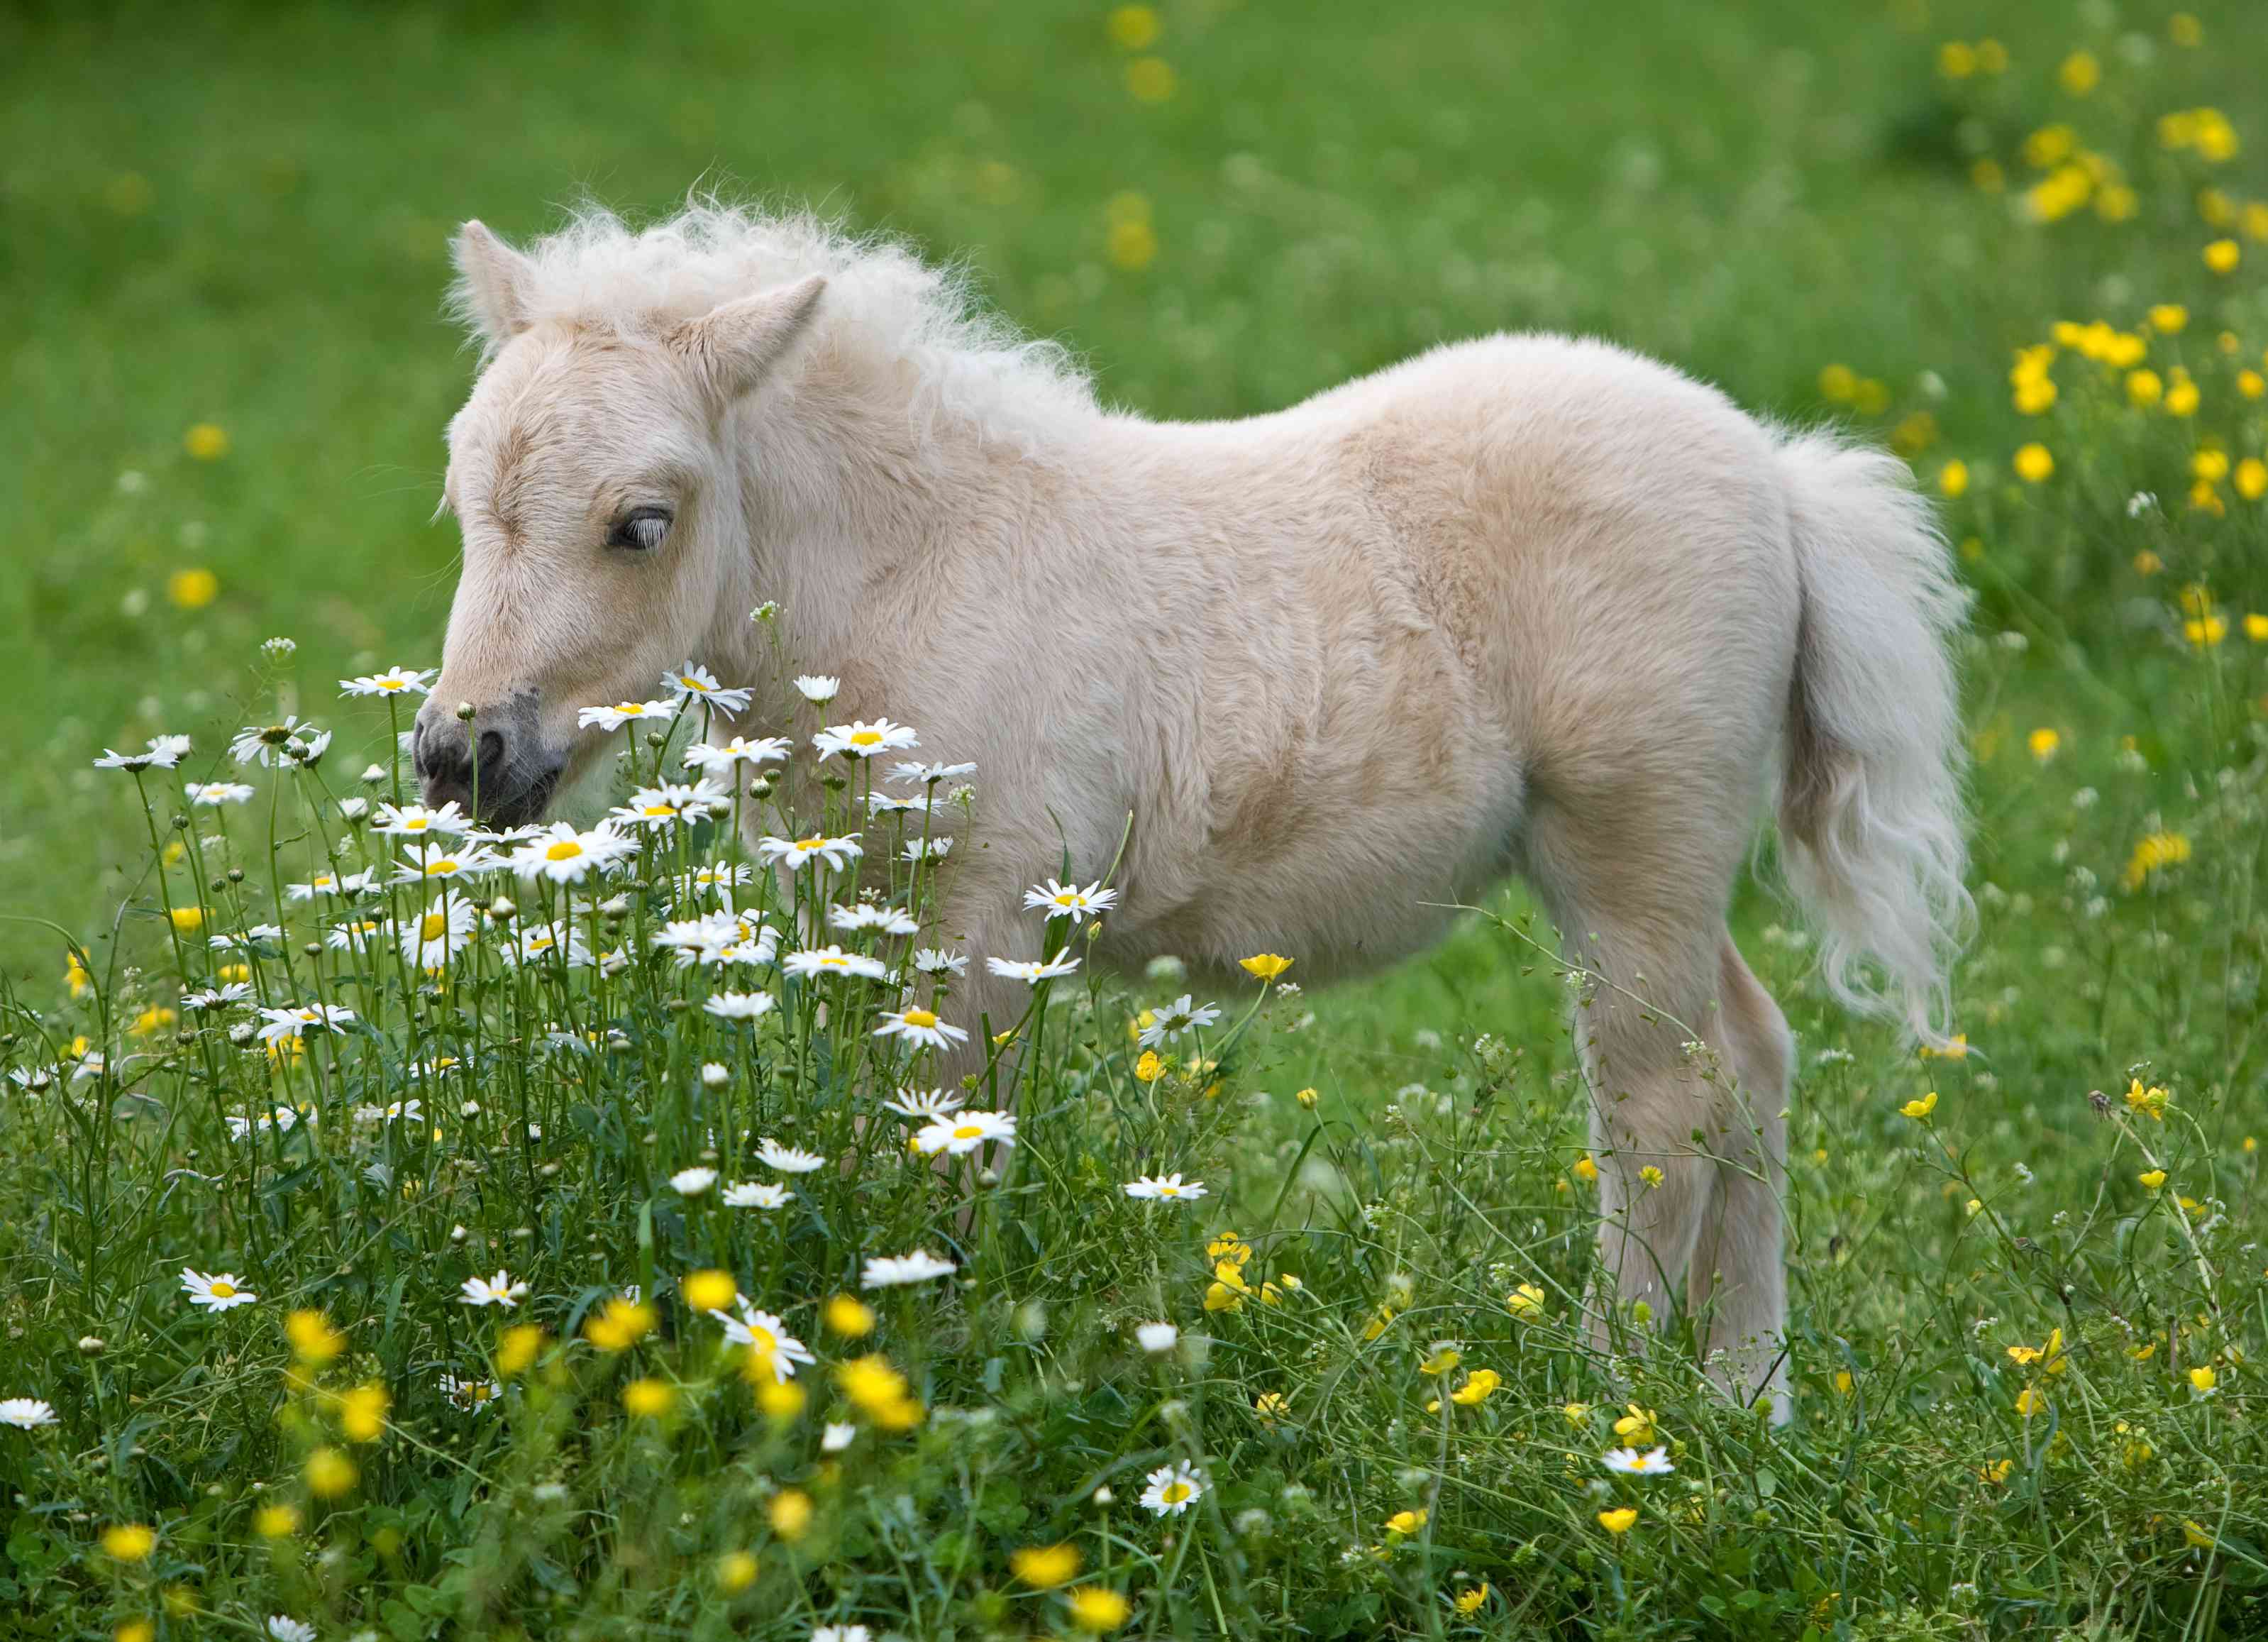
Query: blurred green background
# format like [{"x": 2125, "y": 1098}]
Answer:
[{"x": 237, "y": 218}]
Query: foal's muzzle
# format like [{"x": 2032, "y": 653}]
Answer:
[{"x": 492, "y": 765}]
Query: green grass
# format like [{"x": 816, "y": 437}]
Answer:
[{"x": 241, "y": 217}]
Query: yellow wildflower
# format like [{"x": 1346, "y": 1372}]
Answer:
[
  {"x": 1525, "y": 1302},
  {"x": 1094, "y": 1608},
  {"x": 2043, "y": 742},
  {"x": 791, "y": 1514},
  {"x": 736, "y": 1572},
  {"x": 2034, "y": 464},
  {"x": 1921, "y": 1109},
  {"x": 331, "y": 1472},
  {"x": 1470, "y": 1600},
  {"x": 1618, "y": 1521},
  {"x": 1045, "y": 1566},
  {"x": 648, "y": 1399},
  {"x": 2222, "y": 257},
  {"x": 362, "y": 1412},
  {"x": 1266, "y": 965},
  {"x": 128, "y": 1541},
  {"x": 1479, "y": 1386},
  {"x": 619, "y": 1324},
  {"x": 1405, "y": 1523},
  {"x": 709, "y": 1290}
]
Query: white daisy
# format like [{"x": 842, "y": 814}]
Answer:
[
  {"x": 934, "y": 849},
  {"x": 27, "y": 1413},
  {"x": 712, "y": 760},
  {"x": 445, "y": 929},
  {"x": 1033, "y": 974},
  {"x": 284, "y": 1628},
  {"x": 499, "y": 1290},
  {"x": 756, "y": 1194},
  {"x": 1070, "y": 900},
  {"x": 216, "y": 997},
  {"x": 210, "y": 795},
  {"x": 353, "y": 809},
  {"x": 867, "y": 916},
  {"x": 393, "y": 682},
  {"x": 740, "y": 1005},
  {"x": 861, "y": 739},
  {"x": 768, "y": 1338},
  {"x": 835, "y": 1438},
  {"x": 825, "y": 960},
  {"x": 413, "y": 820},
  {"x": 793, "y": 852},
  {"x": 565, "y": 856},
  {"x": 559, "y": 941},
  {"x": 473, "y": 1395},
  {"x": 218, "y": 1293},
  {"x": 885, "y": 804},
  {"x": 961, "y": 1133},
  {"x": 1157, "y": 1339},
  {"x": 165, "y": 752},
  {"x": 289, "y": 1022},
  {"x": 673, "y": 805},
  {"x": 443, "y": 862},
  {"x": 1165, "y": 1186},
  {"x": 1171, "y": 1021},
  {"x": 840, "y": 1633},
  {"x": 292, "y": 741},
  {"x": 355, "y": 936},
  {"x": 931, "y": 774},
  {"x": 934, "y": 961},
  {"x": 693, "y": 1181},
  {"x": 331, "y": 884},
  {"x": 817, "y": 688},
  {"x": 1630, "y": 1463},
  {"x": 886, "y": 1272},
  {"x": 1173, "y": 1488},
  {"x": 926, "y": 1105},
  {"x": 921, "y": 1027},
  {"x": 788, "y": 1160},
  {"x": 257, "y": 933},
  {"x": 694, "y": 682},
  {"x": 721, "y": 878},
  {"x": 620, "y": 713}
]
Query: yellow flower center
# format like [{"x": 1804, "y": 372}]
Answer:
[
  {"x": 834, "y": 963},
  {"x": 1066, "y": 900},
  {"x": 1169, "y": 1191},
  {"x": 967, "y": 1132},
  {"x": 415, "y": 823},
  {"x": 630, "y": 710},
  {"x": 391, "y": 684},
  {"x": 565, "y": 850},
  {"x": 690, "y": 683},
  {"x": 434, "y": 927},
  {"x": 809, "y": 844},
  {"x": 223, "y": 1290},
  {"x": 866, "y": 738},
  {"x": 919, "y": 1018},
  {"x": 1174, "y": 1493},
  {"x": 658, "y": 809}
]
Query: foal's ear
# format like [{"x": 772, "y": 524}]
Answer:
[
  {"x": 492, "y": 284},
  {"x": 733, "y": 344}
]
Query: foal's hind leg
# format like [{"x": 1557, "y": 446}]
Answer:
[
  {"x": 1739, "y": 1280},
  {"x": 1638, "y": 879}
]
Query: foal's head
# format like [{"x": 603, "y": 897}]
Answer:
[{"x": 599, "y": 507}]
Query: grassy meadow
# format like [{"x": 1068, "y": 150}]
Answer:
[{"x": 2027, "y": 245}]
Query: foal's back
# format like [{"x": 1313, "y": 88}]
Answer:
[{"x": 1515, "y": 576}]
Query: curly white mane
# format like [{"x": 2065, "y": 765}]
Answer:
[{"x": 920, "y": 326}]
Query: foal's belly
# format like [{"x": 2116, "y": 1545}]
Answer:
[{"x": 1347, "y": 881}]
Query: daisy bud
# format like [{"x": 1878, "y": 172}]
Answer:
[
  {"x": 374, "y": 776},
  {"x": 715, "y": 1075},
  {"x": 93, "y": 1345},
  {"x": 761, "y": 787},
  {"x": 467, "y": 712},
  {"x": 502, "y": 908},
  {"x": 615, "y": 910},
  {"x": 235, "y": 874},
  {"x": 1103, "y": 1496},
  {"x": 242, "y": 1033},
  {"x": 457, "y": 1234}
]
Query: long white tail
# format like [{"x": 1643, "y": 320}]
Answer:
[{"x": 1871, "y": 813}]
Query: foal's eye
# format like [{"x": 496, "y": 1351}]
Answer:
[{"x": 640, "y": 529}]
